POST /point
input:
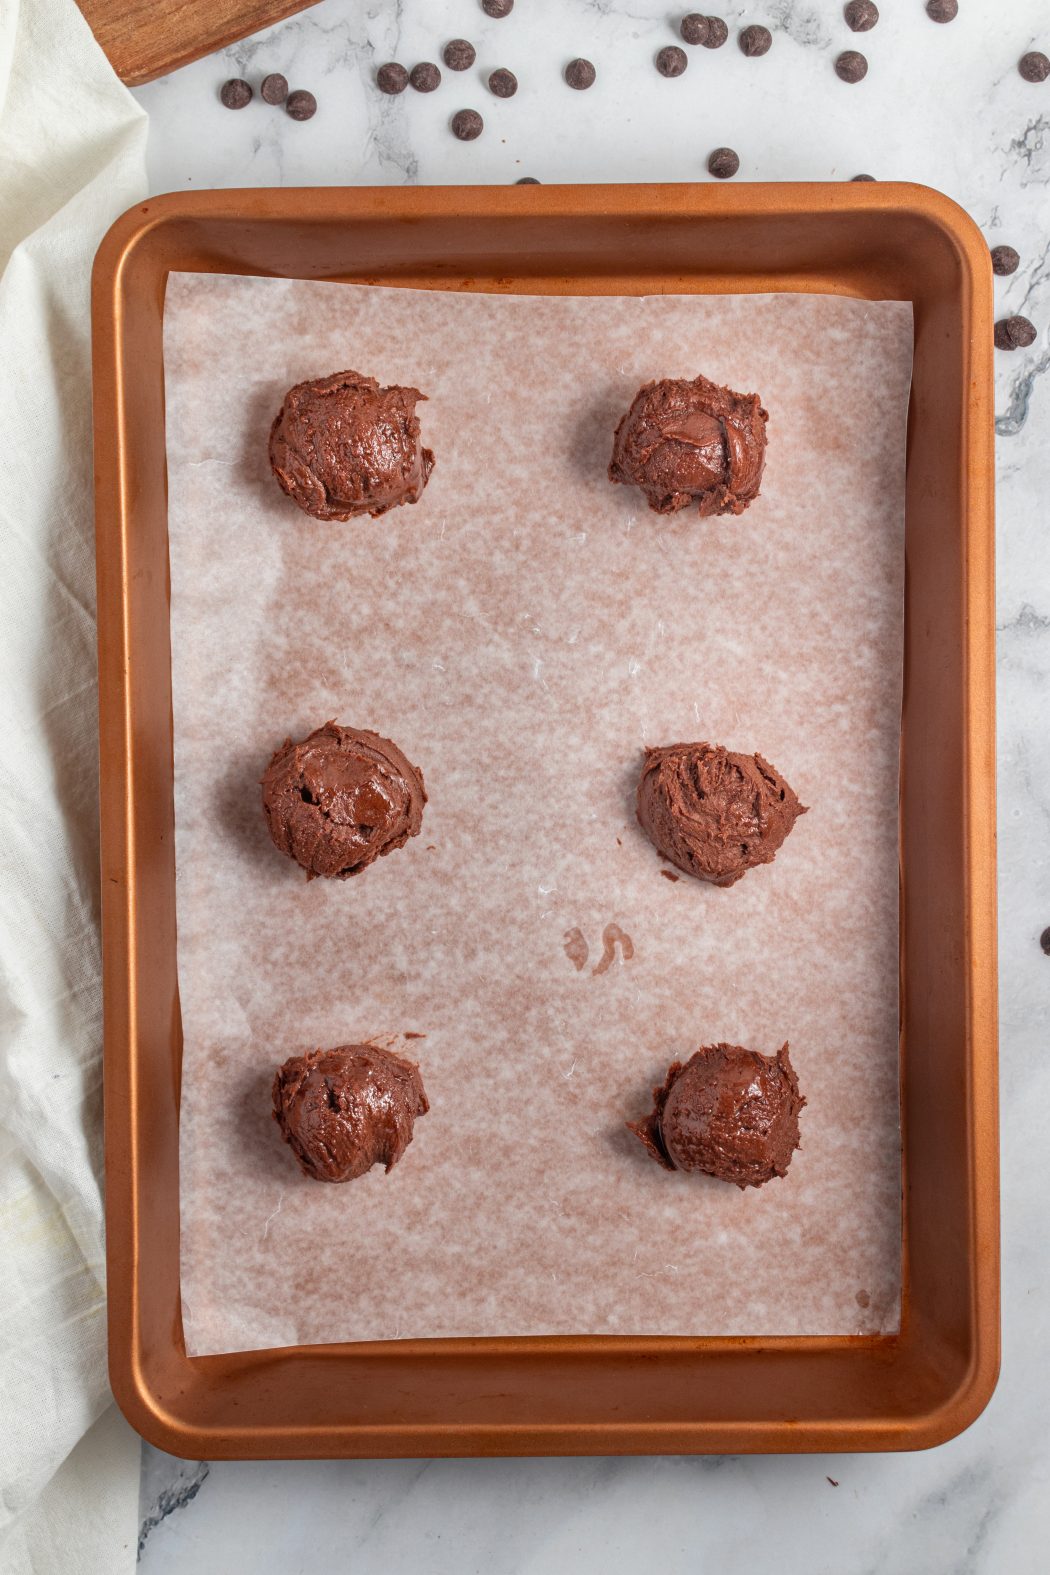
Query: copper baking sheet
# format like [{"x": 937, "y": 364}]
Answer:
[{"x": 565, "y": 1393}]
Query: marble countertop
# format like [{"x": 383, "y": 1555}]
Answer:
[{"x": 943, "y": 105}]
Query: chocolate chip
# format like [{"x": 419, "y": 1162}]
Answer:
[
  {"x": 274, "y": 88},
  {"x": 503, "y": 83},
  {"x": 580, "y": 74},
  {"x": 755, "y": 40},
  {"x": 391, "y": 78},
  {"x": 723, "y": 163},
  {"x": 458, "y": 55},
  {"x": 1034, "y": 67},
  {"x": 671, "y": 61},
  {"x": 1014, "y": 333},
  {"x": 1044, "y": 940},
  {"x": 1004, "y": 260},
  {"x": 693, "y": 28},
  {"x": 862, "y": 177},
  {"x": 861, "y": 16},
  {"x": 235, "y": 93},
  {"x": 526, "y": 180},
  {"x": 851, "y": 66},
  {"x": 467, "y": 124},
  {"x": 301, "y": 105},
  {"x": 717, "y": 33},
  {"x": 942, "y": 10},
  {"x": 425, "y": 77},
  {"x": 497, "y": 8}
]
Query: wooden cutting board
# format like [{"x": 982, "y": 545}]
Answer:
[{"x": 146, "y": 38}]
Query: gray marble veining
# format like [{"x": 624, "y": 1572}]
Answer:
[{"x": 942, "y": 105}]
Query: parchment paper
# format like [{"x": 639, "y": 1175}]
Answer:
[{"x": 520, "y": 633}]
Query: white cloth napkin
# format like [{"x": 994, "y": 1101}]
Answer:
[{"x": 72, "y": 157}]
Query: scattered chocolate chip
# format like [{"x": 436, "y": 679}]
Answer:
[
  {"x": 1034, "y": 67},
  {"x": 723, "y": 163},
  {"x": 717, "y": 33},
  {"x": 301, "y": 105},
  {"x": 458, "y": 55},
  {"x": 580, "y": 74},
  {"x": 235, "y": 93},
  {"x": 1044, "y": 940},
  {"x": 671, "y": 61},
  {"x": 274, "y": 88},
  {"x": 942, "y": 10},
  {"x": 861, "y": 16},
  {"x": 1014, "y": 333},
  {"x": 425, "y": 77},
  {"x": 1004, "y": 260},
  {"x": 851, "y": 66},
  {"x": 755, "y": 40},
  {"x": 693, "y": 28},
  {"x": 497, "y": 8},
  {"x": 391, "y": 78},
  {"x": 862, "y": 177},
  {"x": 526, "y": 180},
  {"x": 467, "y": 124},
  {"x": 503, "y": 83}
]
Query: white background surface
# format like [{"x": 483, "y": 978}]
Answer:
[{"x": 943, "y": 105}]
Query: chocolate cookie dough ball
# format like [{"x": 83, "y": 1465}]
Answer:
[
  {"x": 728, "y": 1112},
  {"x": 692, "y": 444},
  {"x": 340, "y": 799},
  {"x": 342, "y": 446},
  {"x": 713, "y": 813},
  {"x": 342, "y": 1111}
]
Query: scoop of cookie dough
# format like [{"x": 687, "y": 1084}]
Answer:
[
  {"x": 714, "y": 813},
  {"x": 692, "y": 444},
  {"x": 339, "y": 799},
  {"x": 342, "y": 1111},
  {"x": 728, "y": 1112},
  {"x": 342, "y": 446}
]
